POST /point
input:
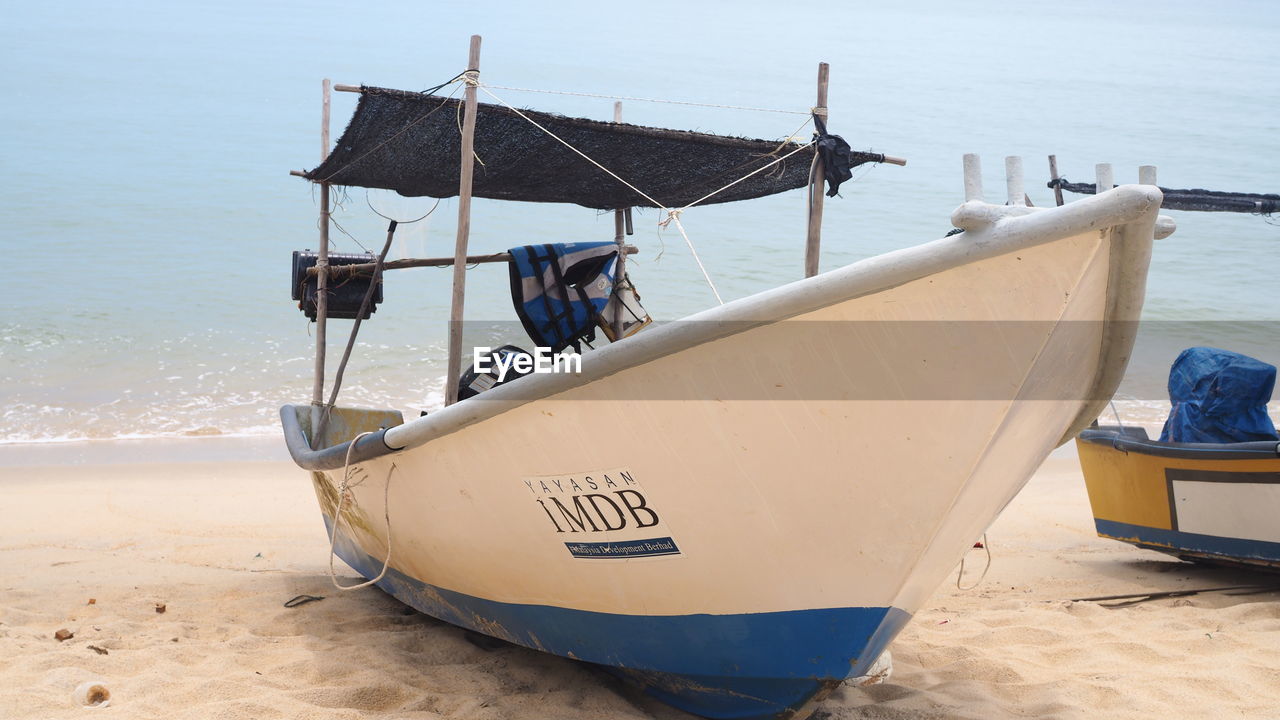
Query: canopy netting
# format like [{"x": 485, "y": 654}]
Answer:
[{"x": 410, "y": 143}]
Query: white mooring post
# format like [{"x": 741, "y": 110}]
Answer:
[
  {"x": 464, "y": 223},
  {"x": 972, "y": 177},
  {"x": 1106, "y": 178},
  {"x": 1164, "y": 224},
  {"x": 1013, "y": 181}
]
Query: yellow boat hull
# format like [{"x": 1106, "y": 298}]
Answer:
[{"x": 1218, "y": 503}]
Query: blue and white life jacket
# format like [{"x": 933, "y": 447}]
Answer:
[{"x": 559, "y": 289}]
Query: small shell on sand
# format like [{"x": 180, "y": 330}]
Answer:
[{"x": 92, "y": 694}]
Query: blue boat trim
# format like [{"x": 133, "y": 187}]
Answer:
[
  {"x": 1175, "y": 540},
  {"x": 748, "y": 666}
]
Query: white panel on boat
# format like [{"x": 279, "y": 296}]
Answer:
[{"x": 1228, "y": 509}]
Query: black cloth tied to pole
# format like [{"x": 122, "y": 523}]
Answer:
[{"x": 838, "y": 159}]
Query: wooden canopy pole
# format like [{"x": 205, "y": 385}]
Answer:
[
  {"x": 1053, "y": 175},
  {"x": 322, "y": 264},
  {"x": 464, "y": 223},
  {"x": 619, "y": 237},
  {"x": 817, "y": 182}
]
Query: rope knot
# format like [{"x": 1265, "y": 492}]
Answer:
[
  {"x": 671, "y": 215},
  {"x": 471, "y": 77}
]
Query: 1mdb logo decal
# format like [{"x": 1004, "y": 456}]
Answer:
[{"x": 607, "y": 514}]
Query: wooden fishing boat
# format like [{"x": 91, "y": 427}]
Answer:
[
  {"x": 740, "y": 510},
  {"x": 1212, "y": 502}
]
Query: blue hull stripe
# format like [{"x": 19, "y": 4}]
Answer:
[
  {"x": 1175, "y": 540},
  {"x": 751, "y": 665}
]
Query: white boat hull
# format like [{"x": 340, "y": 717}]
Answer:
[{"x": 739, "y": 510}]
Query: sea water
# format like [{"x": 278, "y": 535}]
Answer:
[{"x": 148, "y": 215}]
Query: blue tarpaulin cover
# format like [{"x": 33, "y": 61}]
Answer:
[{"x": 1219, "y": 396}]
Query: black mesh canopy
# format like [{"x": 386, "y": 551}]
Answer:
[{"x": 410, "y": 142}]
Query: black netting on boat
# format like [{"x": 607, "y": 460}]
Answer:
[
  {"x": 410, "y": 142},
  {"x": 1201, "y": 200}
]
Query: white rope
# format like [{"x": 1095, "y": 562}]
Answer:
[
  {"x": 675, "y": 215},
  {"x": 672, "y": 214},
  {"x": 652, "y": 100},
  {"x": 562, "y": 141},
  {"x": 744, "y": 177},
  {"x": 343, "y": 488},
  {"x": 1117, "y": 414},
  {"x": 985, "y": 546}
]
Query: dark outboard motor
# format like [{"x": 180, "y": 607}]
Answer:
[{"x": 473, "y": 382}]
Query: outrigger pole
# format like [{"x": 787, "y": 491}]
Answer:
[
  {"x": 322, "y": 276},
  {"x": 342, "y": 272},
  {"x": 472, "y": 77}
]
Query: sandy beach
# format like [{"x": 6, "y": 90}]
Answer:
[
  {"x": 171, "y": 165},
  {"x": 97, "y": 548}
]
